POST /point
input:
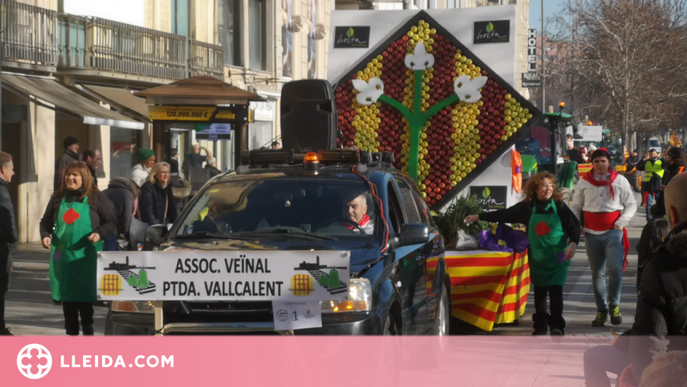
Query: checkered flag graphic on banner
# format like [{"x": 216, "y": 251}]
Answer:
[
  {"x": 111, "y": 284},
  {"x": 301, "y": 285}
]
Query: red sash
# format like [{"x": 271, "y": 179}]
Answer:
[
  {"x": 363, "y": 222},
  {"x": 605, "y": 221},
  {"x": 589, "y": 176}
]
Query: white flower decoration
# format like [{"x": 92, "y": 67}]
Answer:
[
  {"x": 368, "y": 93},
  {"x": 468, "y": 89},
  {"x": 420, "y": 60}
]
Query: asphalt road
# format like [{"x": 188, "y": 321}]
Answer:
[{"x": 31, "y": 311}]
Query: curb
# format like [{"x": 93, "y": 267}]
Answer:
[{"x": 31, "y": 266}]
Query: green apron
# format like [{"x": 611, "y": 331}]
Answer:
[
  {"x": 72, "y": 255},
  {"x": 547, "y": 248}
]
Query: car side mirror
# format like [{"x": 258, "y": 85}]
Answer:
[
  {"x": 413, "y": 234},
  {"x": 155, "y": 235}
]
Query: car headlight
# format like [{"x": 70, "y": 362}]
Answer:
[
  {"x": 133, "y": 306},
  {"x": 359, "y": 298}
]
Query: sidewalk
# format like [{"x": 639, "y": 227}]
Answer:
[{"x": 31, "y": 257}]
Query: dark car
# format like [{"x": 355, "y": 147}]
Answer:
[{"x": 399, "y": 282}]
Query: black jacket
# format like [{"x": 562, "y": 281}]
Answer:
[
  {"x": 632, "y": 162},
  {"x": 122, "y": 200},
  {"x": 153, "y": 201},
  {"x": 661, "y": 303},
  {"x": 95, "y": 178},
  {"x": 521, "y": 213},
  {"x": 672, "y": 170},
  {"x": 213, "y": 171},
  {"x": 60, "y": 165},
  {"x": 8, "y": 227},
  {"x": 192, "y": 161},
  {"x": 173, "y": 165},
  {"x": 103, "y": 218}
]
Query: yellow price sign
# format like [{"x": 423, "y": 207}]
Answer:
[
  {"x": 226, "y": 115},
  {"x": 181, "y": 113}
]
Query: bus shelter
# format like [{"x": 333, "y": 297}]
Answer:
[{"x": 203, "y": 110}]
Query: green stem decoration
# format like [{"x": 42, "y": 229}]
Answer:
[
  {"x": 396, "y": 105},
  {"x": 416, "y": 120},
  {"x": 417, "y": 95}
]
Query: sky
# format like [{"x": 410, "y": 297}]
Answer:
[
  {"x": 131, "y": 11},
  {"x": 125, "y": 11},
  {"x": 551, "y": 7}
]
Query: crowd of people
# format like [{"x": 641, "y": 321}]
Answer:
[
  {"x": 602, "y": 205},
  {"x": 81, "y": 220}
]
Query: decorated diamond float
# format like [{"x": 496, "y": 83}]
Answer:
[{"x": 443, "y": 113}]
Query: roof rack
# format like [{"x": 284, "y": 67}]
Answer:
[{"x": 270, "y": 158}]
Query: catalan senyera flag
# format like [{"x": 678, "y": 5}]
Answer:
[
  {"x": 487, "y": 287},
  {"x": 111, "y": 284},
  {"x": 517, "y": 290},
  {"x": 584, "y": 168},
  {"x": 301, "y": 285}
]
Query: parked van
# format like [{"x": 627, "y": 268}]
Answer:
[{"x": 655, "y": 144}]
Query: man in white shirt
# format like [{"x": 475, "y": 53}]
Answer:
[{"x": 608, "y": 203}]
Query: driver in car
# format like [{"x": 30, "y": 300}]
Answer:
[{"x": 355, "y": 213}]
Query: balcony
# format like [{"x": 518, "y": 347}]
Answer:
[
  {"x": 30, "y": 36},
  {"x": 95, "y": 48},
  {"x": 114, "y": 48},
  {"x": 206, "y": 59}
]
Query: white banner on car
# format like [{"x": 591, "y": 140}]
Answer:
[{"x": 251, "y": 275}]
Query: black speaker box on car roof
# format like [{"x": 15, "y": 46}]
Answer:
[{"x": 308, "y": 115}]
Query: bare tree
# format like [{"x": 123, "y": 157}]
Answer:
[{"x": 623, "y": 62}]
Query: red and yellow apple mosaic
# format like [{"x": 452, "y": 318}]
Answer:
[{"x": 455, "y": 140}]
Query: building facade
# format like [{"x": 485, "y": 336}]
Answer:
[{"x": 74, "y": 75}]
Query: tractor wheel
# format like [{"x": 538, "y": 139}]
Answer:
[{"x": 634, "y": 181}]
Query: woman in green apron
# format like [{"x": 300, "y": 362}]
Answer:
[
  {"x": 76, "y": 222},
  {"x": 550, "y": 225}
]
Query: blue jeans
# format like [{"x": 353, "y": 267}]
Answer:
[
  {"x": 606, "y": 251},
  {"x": 110, "y": 243},
  {"x": 649, "y": 202}
]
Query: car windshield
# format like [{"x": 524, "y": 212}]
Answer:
[
  {"x": 282, "y": 207},
  {"x": 654, "y": 143}
]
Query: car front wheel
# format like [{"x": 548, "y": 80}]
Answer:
[
  {"x": 442, "y": 321},
  {"x": 390, "y": 327}
]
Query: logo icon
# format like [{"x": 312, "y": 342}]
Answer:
[
  {"x": 490, "y": 198},
  {"x": 34, "y": 361},
  {"x": 282, "y": 315},
  {"x": 330, "y": 282},
  {"x": 350, "y": 37},
  {"x": 139, "y": 281},
  {"x": 497, "y": 31}
]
